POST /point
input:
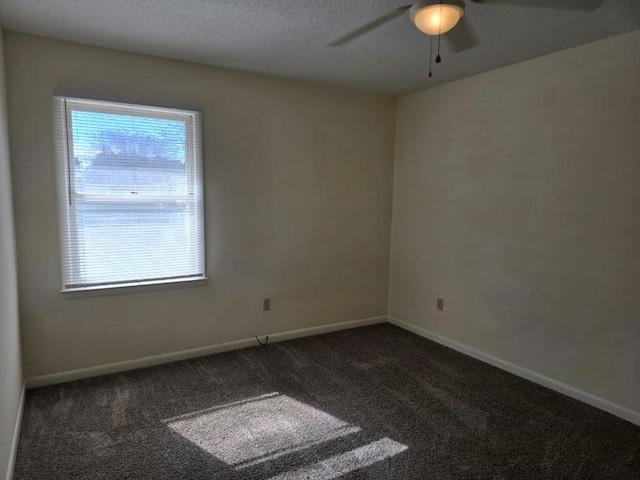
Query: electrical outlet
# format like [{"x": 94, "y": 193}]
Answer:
[
  {"x": 440, "y": 304},
  {"x": 266, "y": 304}
]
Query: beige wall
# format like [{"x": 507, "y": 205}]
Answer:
[
  {"x": 298, "y": 184},
  {"x": 517, "y": 199},
  {"x": 10, "y": 371}
]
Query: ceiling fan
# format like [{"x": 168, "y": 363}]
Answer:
[{"x": 439, "y": 17}]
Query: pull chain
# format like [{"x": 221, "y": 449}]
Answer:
[
  {"x": 430, "y": 56},
  {"x": 439, "y": 58}
]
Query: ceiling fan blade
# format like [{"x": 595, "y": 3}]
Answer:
[
  {"x": 462, "y": 37},
  {"x": 367, "y": 27},
  {"x": 586, "y": 5}
]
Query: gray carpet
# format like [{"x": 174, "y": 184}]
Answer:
[{"x": 370, "y": 403}]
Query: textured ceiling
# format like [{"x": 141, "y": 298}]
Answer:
[{"x": 289, "y": 38}]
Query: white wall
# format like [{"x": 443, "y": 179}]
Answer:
[
  {"x": 517, "y": 200},
  {"x": 298, "y": 184},
  {"x": 10, "y": 371}
]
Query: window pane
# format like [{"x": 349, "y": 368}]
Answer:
[
  {"x": 130, "y": 184},
  {"x": 127, "y": 242},
  {"x": 127, "y": 154}
]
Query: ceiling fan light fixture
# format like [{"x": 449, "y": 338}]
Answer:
[{"x": 435, "y": 18}]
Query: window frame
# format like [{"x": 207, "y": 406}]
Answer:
[{"x": 69, "y": 199}]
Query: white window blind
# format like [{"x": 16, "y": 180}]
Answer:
[{"x": 130, "y": 194}]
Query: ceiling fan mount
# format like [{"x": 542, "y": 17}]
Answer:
[{"x": 447, "y": 18}]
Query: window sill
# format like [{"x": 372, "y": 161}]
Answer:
[{"x": 131, "y": 288}]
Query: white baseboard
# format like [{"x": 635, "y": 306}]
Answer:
[
  {"x": 16, "y": 435},
  {"x": 71, "y": 375},
  {"x": 598, "y": 402}
]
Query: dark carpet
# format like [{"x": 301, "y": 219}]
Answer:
[{"x": 369, "y": 403}]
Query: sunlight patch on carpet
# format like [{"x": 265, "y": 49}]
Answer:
[
  {"x": 338, "y": 465},
  {"x": 260, "y": 429}
]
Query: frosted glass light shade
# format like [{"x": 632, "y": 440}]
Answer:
[{"x": 437, "y": 19}]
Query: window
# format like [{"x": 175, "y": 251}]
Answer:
[{"x": 130, "y": 194}]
